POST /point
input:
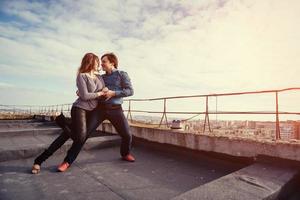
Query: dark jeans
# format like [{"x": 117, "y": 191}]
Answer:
[
  {"x": 119, "y": 121},
  {"x": 93, "y": 120}
]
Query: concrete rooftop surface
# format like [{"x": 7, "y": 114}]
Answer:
[{"x": 161, "y": 171}]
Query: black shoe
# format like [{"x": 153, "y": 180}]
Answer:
[
  {"x": 61, "y": 120},
  {"x": 64, "y": 123}
]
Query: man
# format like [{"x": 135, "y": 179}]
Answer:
[{"x": 110, "y": 105}]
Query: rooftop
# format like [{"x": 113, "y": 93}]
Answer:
[{"x": 161, "y": 171}]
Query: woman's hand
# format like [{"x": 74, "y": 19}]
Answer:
[
  {"x": 109, "y": 94},
  {"x": 101, "y": 93},
  {"x": 105, "y": 89}
]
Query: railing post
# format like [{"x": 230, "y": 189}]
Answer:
[
  {"x": 129, "y": 111},
  {"x": 216, "y": 111},
  {"x": 164, "y": 114},
  {"x": 277, "y": 119},
  {"x": 206, "y": 117},
  {"x": 14, "y": 111}
]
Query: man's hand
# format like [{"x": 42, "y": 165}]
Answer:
[
  {"x": 105, "y": 89},
  {"x": 101, "y": 93},
  {"x": 109, "y": 94}
]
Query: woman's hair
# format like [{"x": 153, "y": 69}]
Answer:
[
  {"x": 88, "y": 62},
  {"x": 112, "y": 58}
]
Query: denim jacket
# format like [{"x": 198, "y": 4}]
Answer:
[{"x": 119, "y": 82}]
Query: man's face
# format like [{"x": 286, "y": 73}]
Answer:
[{"x": 106, "y": 64}]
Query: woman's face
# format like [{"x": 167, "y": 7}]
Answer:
[
  {"x": 106, "y": 64},
  {"x": 96, "y": 67}
]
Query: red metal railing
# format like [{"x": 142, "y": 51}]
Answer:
[{"x": 207, "y": 113}]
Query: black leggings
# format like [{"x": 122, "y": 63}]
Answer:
[{"x": 79, "y": 133}]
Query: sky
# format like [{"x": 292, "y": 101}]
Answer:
[{"x": 168, "y": 48}]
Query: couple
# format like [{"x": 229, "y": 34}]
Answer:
[{"x": 99, "y": 98}]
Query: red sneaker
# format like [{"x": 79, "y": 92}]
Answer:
[
  {"x": 128, "y": 158},
  {"x": 63, "y": 167}
]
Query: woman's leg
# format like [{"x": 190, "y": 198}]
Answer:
[
  {"x": 79, "y": 133},
  {"x": 92, "y": 120},
  {"x": 56, "y": 144}
]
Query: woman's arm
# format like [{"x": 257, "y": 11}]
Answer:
[{"x": 83, "y": 92}]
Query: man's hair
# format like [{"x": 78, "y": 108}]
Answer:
[{"x": 112, "y": 58}]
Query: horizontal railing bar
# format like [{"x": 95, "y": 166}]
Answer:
[
  {"x": 173, "y": 97},
  {"x": 37, "y": 106},
  {"x": 215, "y": 95},
  {"x": 219, "y": 112}
]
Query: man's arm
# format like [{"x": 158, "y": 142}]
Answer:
[{"x": 127, "y": 89}]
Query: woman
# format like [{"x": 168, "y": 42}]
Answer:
[{"x": 90, "y": 87}]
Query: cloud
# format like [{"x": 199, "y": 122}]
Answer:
[
  {"x": 33, "y": 96},
  {"x": 6, "y": 85},
  {"x": 167, "y": 47}
]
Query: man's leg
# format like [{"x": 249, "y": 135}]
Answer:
[
  {"x": 118, "y": 120},
  {"x": 95, "y": 118}
]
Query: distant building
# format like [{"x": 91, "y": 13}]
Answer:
[
  {"x": 296, "y": 130},
  {"x": 250, "y": 124},
  {"x": 290, "y": 130}
]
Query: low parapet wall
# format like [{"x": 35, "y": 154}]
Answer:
[{"x": 241, "y": 147}]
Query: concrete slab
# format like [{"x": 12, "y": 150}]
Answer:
[
  {"x": 25, "y": 146},
  {"x": 258, "y": 181},
  {"x": 29, "y": 131},
  {"x": 101, "y": 174},
  {"x": 210, "y": 142}
]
